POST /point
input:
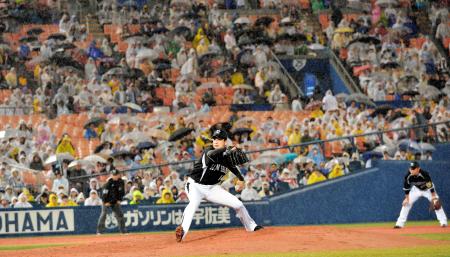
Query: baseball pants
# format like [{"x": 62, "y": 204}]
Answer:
[
  {"x": 215, "y": 194},
  {"x": 117, "y": 210},
  {"x": 415, "y": 194}
]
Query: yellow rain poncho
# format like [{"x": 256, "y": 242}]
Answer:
[
  {"x": 137, "y": 197},
  {"x": 315, "y": 177},
  {"x": 198, "y": 37},
  {"x": 336, "y": 171},
  {"x": 166, "y": 197},
  {"x": 53, "y": 201},
  {"x": 65, "y": 146}
]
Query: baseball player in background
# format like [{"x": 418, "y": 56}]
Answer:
[
  {"x": 418, "y": 184},
  {"x": 203, "y": 183}
]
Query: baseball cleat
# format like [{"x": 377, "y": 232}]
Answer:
[
  {"x": 443, "y": 225},
  {"x": 397, "y": 227},
  {"x": 258, "y": 227},
  {"x": 179, "y": 233}
]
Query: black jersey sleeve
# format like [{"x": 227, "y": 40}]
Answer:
[
  {"x": 429, "y": 183},
  {"x": 236, "y": 172},
  {"x": 214, "y": 156},
  {"x": 406, "y": 184}
]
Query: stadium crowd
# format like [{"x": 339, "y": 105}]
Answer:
[{"x": 196, "y": 60}]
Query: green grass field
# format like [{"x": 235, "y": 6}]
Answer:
[
  {"x": 440, "y": 251},
  {"x": 29, "y": 247}
]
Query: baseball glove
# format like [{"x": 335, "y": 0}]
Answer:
[
  {"x": 237, "y": 157},
  {"x": 435, "y": 204}
]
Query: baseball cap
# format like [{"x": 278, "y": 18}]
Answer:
[
  {"x": 219, "y": 134},
  {"x": 114, "y": 172},
  {"x": 414, "y": 165}
]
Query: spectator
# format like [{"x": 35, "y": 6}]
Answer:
[
  {"x": 166, "y": 197},
  {"x": 66, "y": 201},
  {"x": 265, "y": 190},
  {"x": 59, "y": 182},
  {"x": 336, "y": 171},
  {"x": 249, "y": 193},
  {"x": 137, "y": 197},
  {"x": 316, "y": 156},
  {"x": 53, "y": 202},
  {"x": 15, "y": 181},
  {"x": 9, "y": 193},
  {"x": 4, "y": 203},
  {"x": 93, "y": 199},
  {"x": 78, "y": 183},
  {"x": 73, "y": 196},
  {"x": 65, "y": 146},
  {"x": 23, "y": 203},
  {"x": 36, "y": 163},
  {"x": 42, "y": 200},
  {"x": 315, "y": 177},
  {"x": 182, "y": 197},
  {"x": 90, "y": 132},
  {"x": 329, "y": 102}
]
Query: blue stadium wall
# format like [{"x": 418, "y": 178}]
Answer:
[
  {"x": 327, "y": 76},
  {"x": 369, "y": 196}
]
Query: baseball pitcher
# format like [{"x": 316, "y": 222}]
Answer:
[{"x": 204, "y": 179}]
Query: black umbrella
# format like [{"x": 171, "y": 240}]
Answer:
[
  {"x": 28, "y": 39},
  {"x": 122, "y": 153},
  {"x": 180, "y": 133},
  {"x": 382, "y": 109},
  {"x": 134, "y": 73},
  {"x": 66, "y": 61},
  {"x": 94, "y": 121},
  {"x": 101, "y": 147},
  {"x": 35, "y": 31},
  {"x": 182, "y": 30},
  {"x": 366, "y": 40},
  {"x": 284, "y": 36},
  {"x": 190, "y": 15},
  {"x": 224, "y": 69},
  {"x": 163, "y": 66},
  {"x": 390, "y": 65},
  {"x": 161, "y": 60},
  {"x": 146, "y": 145},
  {"x": 57, "y": 36},
  {"x": 411, "y": 93},
  {"x": 240, "y": 131},
  {"x": 264, "y": 41},
  {"x": 150, "y": 21},
  {"x": 298, "y": 37},
  {"x": 207, "y": 56},
  {"x": 67, "y": 46},
  {"x": 265, "y": 21},
  {"x": 160, "y": 30},
  {"x": 133, "y": 35},
  {"x": 287, "y": 24}
]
